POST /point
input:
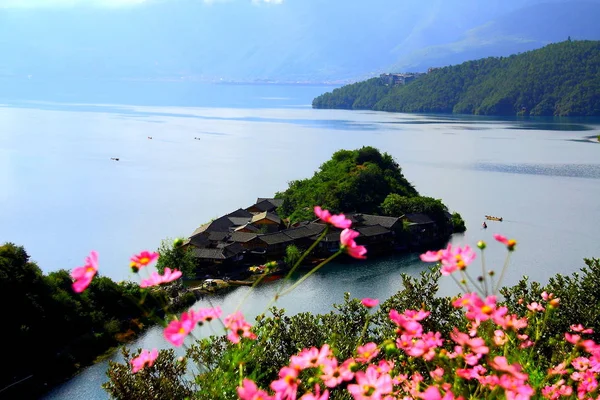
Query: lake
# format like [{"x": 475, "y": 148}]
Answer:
[{"x": 62, "y": 196}]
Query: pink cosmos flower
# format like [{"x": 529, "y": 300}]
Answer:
[
  {"x": 349, "y": 245},
  {"x": 581, "y": 329},
  {"x": 510, "y": 243},
  {"x": 145, "y": 359},
  {"x": 369, "y": 303},
  {"x": 239, "y": 328},
  {"x": 367, "y": 352},
  {"x": 143, "y": 259},
  {"x": 339, "y": 221},
  {"x": 433, "y": 393},
  {"x": 177, "y": 330},
  {"x": 500, "y": 363},
  {"x": 287, "y": 385},
  {"x": 535, "y": 307},
  {"x": 83, "y": 275},
  {"x": 249, "y": 391},
  {"x": 208, "y": 314},
  {"x": 311, "y": 358},
  {"x": 157, "y": 279},
  {"x": 333, "y": 374},
  {"x": 370, "y": 385},
  {"x": 317, "y": 395},
  {"x": 452, "y": 259}
]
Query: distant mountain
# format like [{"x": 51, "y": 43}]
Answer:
[
  {"x": 297, "y": 40},
  {"x": 560, "y": 79}
]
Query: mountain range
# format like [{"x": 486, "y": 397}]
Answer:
[{"x": 285, "y": 40}]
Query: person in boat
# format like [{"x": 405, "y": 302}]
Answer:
[{"x": 484, "y": 225}]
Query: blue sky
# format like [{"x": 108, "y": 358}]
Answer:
[{"x": 290, "y": 40}]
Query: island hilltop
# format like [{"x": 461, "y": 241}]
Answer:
[
  {"x": 561, "y": 79},
  {"x": 366, "y": 185}
]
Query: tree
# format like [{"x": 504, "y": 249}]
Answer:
[{"x": 173, "y": 255}]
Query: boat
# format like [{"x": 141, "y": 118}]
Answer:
[{"x": 489, "y": 217}]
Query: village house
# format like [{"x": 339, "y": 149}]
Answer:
[{"x": 257, "y": 234}]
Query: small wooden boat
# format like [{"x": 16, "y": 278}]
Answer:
[{"x": 489, "y": 217}]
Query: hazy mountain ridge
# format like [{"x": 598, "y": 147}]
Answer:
[{"x": 298, "y": 40}]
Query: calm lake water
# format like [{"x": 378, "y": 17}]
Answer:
[{"x": 61, "y": 195}]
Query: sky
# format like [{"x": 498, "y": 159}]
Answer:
[
  {"x": 281, "y": 40},
  {"x": 102, "y": 3}
]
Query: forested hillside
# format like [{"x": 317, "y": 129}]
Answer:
[{"x": 560, "y": 79}]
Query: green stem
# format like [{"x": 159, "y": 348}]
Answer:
[
  {"x": 502, "y": 273},
  {"x": 483, "y": 273},
  {"x": 279, "y": 289},
  {"x": 312, "y": 271}
]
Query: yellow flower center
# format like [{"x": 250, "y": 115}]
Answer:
[
  {"x": 144, "y": 260},
  {"x": 487, "y": 309},
  {"x": 181, "y": 331}
]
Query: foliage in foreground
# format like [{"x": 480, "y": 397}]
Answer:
[
  {"x": 61, "y": 330},
  {"x": 529, "y": 346},
  {"x": 560, "y": 79}
]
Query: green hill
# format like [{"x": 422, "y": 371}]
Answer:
[
  {"x": 560, "y": 79},
  {"x": 365, "y": 181}
]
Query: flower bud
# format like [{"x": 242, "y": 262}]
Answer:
[
  {"x": 481, "y": 244},
  {"x": 491, "y": 273},
  {"x": 134, "y": 268},
  {"x": 177, "y": 242},
  {"x": 554, "y": 302}
]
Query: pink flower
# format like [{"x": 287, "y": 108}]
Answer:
[
  {"x": 311, "y": 358},
  {"x": 339, "y": 221},
  {"x": 145, "y": 359},
  {"x": 433, "y": 393},
  {"x": 208, "y": 314},
  {"x": 143, "y": 259},
  {"x": 333, "y": 374},
  {"x": 367, "y": 352},
  {"x": 369, "y": 303},
  {"x": 249, "y": 391},
  {"x": 581, "y": 329},
  {"x": 510, "y": 243},
  {"x": 451, "y": 259},
  {"x": 370, "y": 385},
  {"x": 83, "y": 275},
  {"x": 349, "y": 245},
  {"x": 239, "y": 328},
  {"x": 535, "y": 307},
  {"x": 287, "y": 385},
  {"x": 156, "y": 279},
  {"x": 177, "y": 330},
  {"x": 317, "y": 395}
]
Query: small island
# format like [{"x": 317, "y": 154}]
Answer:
[
  {"x": 364, "y": 184},
  {"x": 561, "y": 79}
]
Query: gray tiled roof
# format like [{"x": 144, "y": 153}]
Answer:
[
  {"x": 249, "y": 227},
  {"x": 418, "y": 218},
  {"x": 266, "y": 215},
  {"x": 239, "y": 221},
  {"x": 305, "y": 231},
  {"x": 275, "y": 238},
  {"x": 372, "y": 230},
  {"x": 221, "y": 224},
  {"x": 369, "y": 220},
  {"x": 242, "y": 237},
  {"x": 240, "y": 213},
  {"x": 210, "y": 254},
  {"x": 275, "y": 202}
]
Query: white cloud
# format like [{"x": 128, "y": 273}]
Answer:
[{"x": 67, "y": 3}]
